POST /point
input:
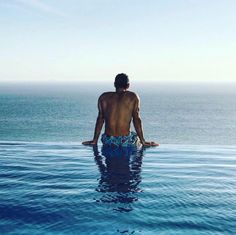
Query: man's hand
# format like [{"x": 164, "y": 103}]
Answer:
[
  {"x": 149, "y": 144},
  {"x": 91, "y": 142}
]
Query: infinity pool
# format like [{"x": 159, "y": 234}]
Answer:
[{"x": 67, "y": 188}]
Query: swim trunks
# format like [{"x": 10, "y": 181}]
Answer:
[{"x": 129, "y": 140}]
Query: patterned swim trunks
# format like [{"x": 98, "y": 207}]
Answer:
[{"x": 130, "y": 140}]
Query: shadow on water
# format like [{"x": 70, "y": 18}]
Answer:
[{"x": 120, "y": 170}]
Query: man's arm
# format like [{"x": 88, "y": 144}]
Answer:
[
  {"x": 99, "y": 122},
  {"x": 138, "y": 124},
  {"x": 137, "y": 120},
  {"x": 98, "y": 126}
]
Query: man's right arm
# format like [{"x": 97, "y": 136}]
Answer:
[
  {"x": 137, "y": 120},
  {"x": 138, "y": 124}
]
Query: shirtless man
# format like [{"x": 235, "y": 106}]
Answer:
[{"x": 117, "y": 109}]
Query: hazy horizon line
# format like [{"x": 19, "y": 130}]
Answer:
[{"x": 111, "y": 81}]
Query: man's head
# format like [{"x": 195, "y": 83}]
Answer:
[{"x": 121, "y": 81}]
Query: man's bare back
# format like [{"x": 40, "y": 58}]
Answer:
[{"x": 117, "y": 110}]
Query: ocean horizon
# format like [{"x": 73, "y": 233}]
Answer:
[{"x": 186, "y": 113}]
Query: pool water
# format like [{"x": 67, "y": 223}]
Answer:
[{"x": 67, "y": 188}]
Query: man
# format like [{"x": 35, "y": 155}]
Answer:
[{"x": 118, "y": 109}]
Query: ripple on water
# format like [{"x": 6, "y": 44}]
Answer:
[{"x": 69, "y": 189}]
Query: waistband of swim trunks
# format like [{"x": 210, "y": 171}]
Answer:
[{"x": 130, "y": 133}]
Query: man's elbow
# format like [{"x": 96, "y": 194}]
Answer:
[
  {"x": 137, "y": 120},
  {"x": 100, "y": 119}
]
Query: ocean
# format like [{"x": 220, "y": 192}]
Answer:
[
  {"x": 51, "y": 184},
  {"x": 172, "y": 113}
]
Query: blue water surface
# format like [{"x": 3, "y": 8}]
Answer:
[
  {"x": 171, "y": 113},
  {"x": 66, "y": 188},
  {"x": 51, "y": 184}
]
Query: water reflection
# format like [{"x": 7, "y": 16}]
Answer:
[{"x": 120, "y": 170}]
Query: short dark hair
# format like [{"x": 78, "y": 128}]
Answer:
[{"x": 121, "y": 81}]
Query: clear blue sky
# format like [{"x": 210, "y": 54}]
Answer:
[{"x": 74, "y": 40}]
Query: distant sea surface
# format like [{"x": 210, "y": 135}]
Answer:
[
  {"x": 51, "y": 184},
  {"x": 171, "y": 113}
]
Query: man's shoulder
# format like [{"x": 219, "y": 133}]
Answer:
[
  {"x": 106, "y": 94},
  {"x": 133, "y": 95},
  {"x": 109, "y": 94}
]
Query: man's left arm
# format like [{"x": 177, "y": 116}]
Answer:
[{"x": 98, "y": 126}]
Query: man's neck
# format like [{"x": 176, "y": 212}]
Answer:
[{"x": 119, "y": 90}]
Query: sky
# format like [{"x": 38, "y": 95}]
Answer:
[{"x": 81, "y": 40}]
